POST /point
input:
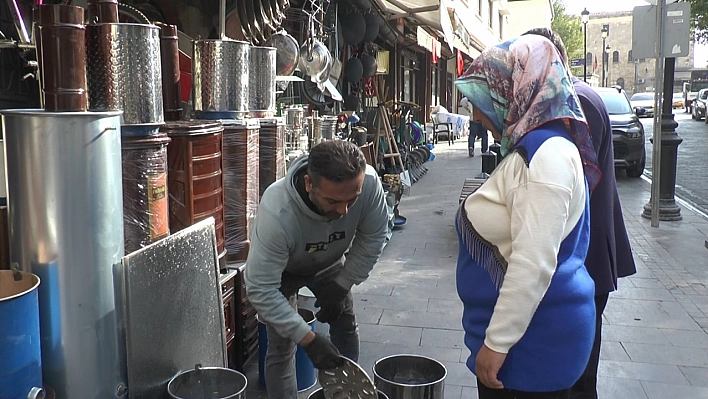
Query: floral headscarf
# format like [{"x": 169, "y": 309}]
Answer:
[{"x": 522, "y": 84}]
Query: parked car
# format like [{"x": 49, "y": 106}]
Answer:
[
  {"x": 699, "y": 105},
  {"x": 677, "y": 100},
  {"x": 627, "y": 131},
  {"x": 644, "y": 102}
]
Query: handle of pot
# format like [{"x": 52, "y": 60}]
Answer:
[{"x": 36, "y": 393}]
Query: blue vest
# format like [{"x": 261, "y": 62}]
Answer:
[{"x": 554, "y": 350}]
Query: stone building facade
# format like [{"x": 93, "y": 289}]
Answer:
[{"x": 621, "y": 68}]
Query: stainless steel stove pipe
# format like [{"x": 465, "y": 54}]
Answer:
[{"x": 65, "y": 208}]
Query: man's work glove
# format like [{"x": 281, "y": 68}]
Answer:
[
  {"x": 323, "y": 353},
  {"x": 331, "y": 299}
]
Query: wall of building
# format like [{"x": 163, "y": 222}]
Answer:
[
  {"x": 634, "y": 75},
  {"x": 528, "y": 14}
]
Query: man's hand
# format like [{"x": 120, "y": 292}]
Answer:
[
  {"x": 487, "y": 367},
  {"x": 322, "y": 352},
  {"x": 331, "y": 299}
]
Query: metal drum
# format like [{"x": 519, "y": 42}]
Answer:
[
  {"x": 208, "y": 382},
  {"x": 72, "y": 207},
  {"x": 20, "y": 358},
  {"x": 61, "y": 46},
  {"x": 329, "y": 127},
  {"x": 271, "y": 152},
  {"x": 194, "y": 179},
  {"x": 220, "y": 77},
  {"x": 145, "y": 215},
  {"x": 261, "y": 82},
  {"x": 410, "y": 377},
  {"x": 319, "y": 394},
  {"x": 124, "y": 71},
  {"x": 241, "y": 168}
]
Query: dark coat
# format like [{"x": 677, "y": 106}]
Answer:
[{"x": 609, "y": 255}]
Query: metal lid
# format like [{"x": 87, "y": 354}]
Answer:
[
  {"x": 192, "y": 127},
  {"x": 349, "y": 381}
]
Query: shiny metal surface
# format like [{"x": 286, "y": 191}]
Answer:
[
  {"x": 410, "y": 376},
  {"x": 319, "y": 394},
  {"x": 124, "y": 71},
  {"x": 349, "y": 381},
  {"x": 208, "y": 383},
  {"x": 173, "y": 309},
  {"x": 261, "y": 82},
  {"x": 220, "y": 76},
  {"x": 64, "y": 191}
]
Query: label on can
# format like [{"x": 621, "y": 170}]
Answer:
[{"x": 157, "y": 206}]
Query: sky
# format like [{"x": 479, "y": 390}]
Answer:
[{"x": 576, "y": 6}]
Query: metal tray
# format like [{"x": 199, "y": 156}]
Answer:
[{"x": 349, "y": 381}]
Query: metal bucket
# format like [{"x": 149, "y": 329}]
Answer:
[
  {"x": 208, "y": 383},
  {"x": 73, "y": 210},
  {"x": 319, "y": 394},
  {"x": 124, "y": 71},
  {"x": 20, "y": 354},
  {"x": 261, "y": 82},
  {"x": 410, "y": 377},
  {"x": 329, "y": 127},
  {"x": 145, "y": 214},
  {"x": 271, "y": 152},
  {"x": 220, "y": 77},
  {"x": 304, "y": 369},
  {"x": 241, "y": 167},
  {"x": 195, "y": 179}
]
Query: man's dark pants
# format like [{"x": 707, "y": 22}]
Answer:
[{"x": 586, "y": 387}]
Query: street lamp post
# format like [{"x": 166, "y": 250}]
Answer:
[
  {"x": 607, "y": 54},
  {"x": 585, "y": 17},
  {"x": 604, "y": 32}
]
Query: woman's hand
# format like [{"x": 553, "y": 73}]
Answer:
[{"x": 487, "y": 367}]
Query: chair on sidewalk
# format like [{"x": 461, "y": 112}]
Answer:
[{"x": 443, "y": 127}]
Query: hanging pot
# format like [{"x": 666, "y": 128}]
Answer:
[
  {"x": 353, "y": 28},
  {"x": 354, "y": 70},
  {"x": 372, "y": 27},
  {"x": 314, "y": 57},
  {"x": 288, "y": 52},
  {"x": 369, "y": 65},
  {"x": 351, "y": 102}
]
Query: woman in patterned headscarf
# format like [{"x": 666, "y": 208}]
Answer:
[{"x": 528, "y": 300}]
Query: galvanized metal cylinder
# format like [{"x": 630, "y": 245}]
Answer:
[
  {"x": 220, "y": 77},
  {"x": 261, "y": 82},
  {"x": 66, "y": 226},
  {"x": 124, "y": 71}
]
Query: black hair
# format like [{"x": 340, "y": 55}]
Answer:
[
  {"x": 554, "y": 38},
  {"x": 335, "y": 160}
]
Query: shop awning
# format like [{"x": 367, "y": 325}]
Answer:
[{"x": 436, "y": 14}]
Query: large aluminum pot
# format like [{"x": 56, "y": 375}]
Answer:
[
  {"x": 262, "y": 82},
  {"x": 220, "y": 76},
  {"x": 208, "y": 383},
  {"x": 64, "y": 191},
  {"x": 124, "y": 71},
  {"x": 410, "y": 377}
]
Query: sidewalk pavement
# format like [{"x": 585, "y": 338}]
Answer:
[{"x": 655, "y": 337}]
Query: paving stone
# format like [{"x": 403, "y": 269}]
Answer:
[
  {"x": 658, "y": 390},
  {"x": 420, "y": 319},
  {"x": 697, "y": 376},
  {"x": 642, "y": 335},
  {"x": 663, "y": 354},
  {"x": 367, "y": 315},
  {"x": 619, "y": 388},
  {"x": 611, "y": 350},
  {"x": 401, "y": 335},
  {"x": 645, "y": 282},
  {"x": 459, "y": 374},
  {"x": 446, "y": 306},
  {"x": 454, "y": 392},
  {"x": 653, "y": 294},
  {"x": 690, "y": 339},
  {"x": 439, "y": 338},
  {"x": 389, "y": 302},
  {"x": 469, "y": 393},
  {"x": 649, "y": 318},
  {"x": 642, "y": 371}
]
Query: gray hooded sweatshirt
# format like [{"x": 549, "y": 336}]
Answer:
[{"x": 288, "y": 236}]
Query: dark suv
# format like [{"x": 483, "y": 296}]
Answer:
[{"x": 627, "y": 131}]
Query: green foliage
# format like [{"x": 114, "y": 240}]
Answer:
[
  {"x": 570, "y": 29},
  {"x": 699, "y": 20}
]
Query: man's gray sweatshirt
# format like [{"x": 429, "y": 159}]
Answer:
[{"x": 289, "y": 236}]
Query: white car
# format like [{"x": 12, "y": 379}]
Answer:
[{"x": 643, "y": 104}]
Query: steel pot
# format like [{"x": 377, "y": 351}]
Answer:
[
  {"x": 220, "y": 75},
  {"x": 208, "y": 383},
  {"x": 288, "y": 53}
]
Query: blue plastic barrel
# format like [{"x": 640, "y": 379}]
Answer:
[
  {"x": 304, "y": 369},
  {"x": 20, "y": 354}
]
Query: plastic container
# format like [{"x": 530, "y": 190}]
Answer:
[{"x": 145, "y": 195}]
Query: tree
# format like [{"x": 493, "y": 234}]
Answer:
[
  {"x": 570, "y": 29},
  {"x": 699, "y": 20}
]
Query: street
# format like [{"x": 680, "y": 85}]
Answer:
[{"x": 692, "y": 164}]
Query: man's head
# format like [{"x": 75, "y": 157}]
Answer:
[
  {"x": 554, "y": 38},
  {"x": 335, "y": 176}
]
